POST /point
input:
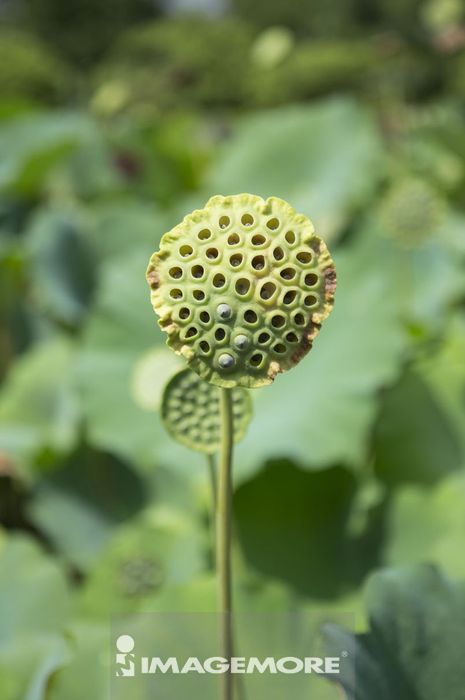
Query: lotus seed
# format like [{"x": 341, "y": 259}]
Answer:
[
  {"x": 224, "y": 311},
  {"x": 226, "y": 360},
  {"x": 241, "y": 342}
]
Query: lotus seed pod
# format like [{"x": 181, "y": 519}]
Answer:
[
  {"x": 412, "y": 211},
  {"x": 130, "y": 570},
  {"x": 241, "y": 288},
  {"x": 191, "y": 412}
]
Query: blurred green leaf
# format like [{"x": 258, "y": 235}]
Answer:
[
  {"x": 32, "y": 144},
  {"x": 326, "y": 159},
  {"x": 34, "y": 597},
  {"x": 428, "y": 242},
  {"x": 128, "y": 228},
  {"x": 437, "y": 279},
  {"x": 151, "y": 373},
  {"x": 414, "y": 441},
  {"x": 120, "y": 330},
  {"x": 414, "y": 647},
  {"x": 79, "y": 506},
  {"x": 34, "y": 610},
  {"x": 292, "y": 526},
  {"x": 38, "y": 407},
  {"x": 428, "y": 525},
  {"x": 86, "y": 674},
  {"x": 452, "y": 235},
  {"x": 444, "y": 373},
  {"x": 62, "y": 265},
  {"x": 28, "y": 664}
]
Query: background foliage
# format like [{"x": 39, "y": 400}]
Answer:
[{"x": 116, "y": 119}]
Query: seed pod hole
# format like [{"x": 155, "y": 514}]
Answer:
[
  {"x": 191, "y": 332},
  {"x": 256, "y": 359},
  {"x": 198, "y": 294},
  {"x": 304, "y": 257},
  {"x": 219, "y": 280},
  {"x": 234, "y": 239},
  {"x": 290, "y": 237},
  {"x": 267, "y": 290},
  {"x": 176, "y": 293},
  {"x": 185, "y": 251},
  {"x": 184, "y": 313},
  {"x": 220, "y": 334},
  {"x": 204, "y": 234},
  {"x": 242, "y": 286},
  {"x": 205, "y": 317},
  {"x": 204, "y": 346},
  {"x": 289, "y": 297},
  {"x": 250, "y": 316},
  {"x": 224, "y": 221},
  {"x": 278, "y": 253},
  {"x": 291, "y": 337},
  {"x": 212, "y": 253},
  {"x": 247, "y": 220},
  {"x": 258, "y": 262},
  {"x": 299, "y": 319},
  {"x": 279, "y": 348},
  {"x": 310, "y": 300},
  {"x": 311, "y": 279},
  {"x": 175, "y": 273},
  {"x": 264, "y": 338},
  {"x": 197, "y": 271},
  {"x": 278, "y": 321},
  {"x": 288, "y": 273},
  {"x": 235, "y": 260},
  {"x": 258, "y": 239},
  {"x": 273, "y": 224}
]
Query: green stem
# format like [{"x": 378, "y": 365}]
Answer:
[
  {"x": 211, "y": 468},
  {"x": 223, "y": 536},
  {"x": 213, "y": 481}
]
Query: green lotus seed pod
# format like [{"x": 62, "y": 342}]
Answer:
[
  {"x": 131, "y": 569},
  {"x": 242, "y": 287},
  {"x": 190, "y": 411},
  {"x": 412, "y": 211}
]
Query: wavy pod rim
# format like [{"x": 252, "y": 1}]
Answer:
[{"x": 242, "y": 287}]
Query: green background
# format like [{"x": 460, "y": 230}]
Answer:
[{"x": 116, "y": 119}]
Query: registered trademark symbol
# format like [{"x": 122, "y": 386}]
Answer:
[{"x": 345, "y": 654}]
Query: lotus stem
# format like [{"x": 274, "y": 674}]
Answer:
[{"x": 223, "y": 535}]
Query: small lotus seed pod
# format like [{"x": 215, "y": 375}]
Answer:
[
  {"x": 190, "y": 411},
  {"x": 241, "y": 288},
  {"x": 412, "y": 211}
]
